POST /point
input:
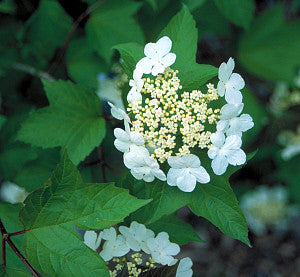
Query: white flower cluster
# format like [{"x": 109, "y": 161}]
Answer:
[
  {"x": 163, "y": 115},
  {"x": 266, "y": 208},
  {"x": 227, "y": 141},
  {"x": 138, "y": 239}
]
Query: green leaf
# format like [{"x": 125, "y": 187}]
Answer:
[
  {"x": 131, "y": 53},
  {"x": 9, "y": 215},
  {"x": 73, "y": 119},
  {"x": 166, "y": 199},
  {"x": 7, "y": 6},
  {"x": 52, "y": 245},
  {"x": 111, "y": 24},
  {"x": 83, "y": 64},
  {"x": 35, "y": 172},
  {"x": 192, "y": 75},
  {"x": 13, "y": 272},
  {"x": 217, "y": 203},
  {"x": 179, "y": 231},
  {"x": 239, "y": 12},
  {"x": 270, "y": 48},
  {"x": 46, "y": 30}
]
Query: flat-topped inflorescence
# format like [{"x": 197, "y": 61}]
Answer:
[{"x": 168, "y": 124}]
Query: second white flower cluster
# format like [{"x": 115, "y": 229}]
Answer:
[{"x": 138, "y": 238}]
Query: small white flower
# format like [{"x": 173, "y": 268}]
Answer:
[
  {"x": 231, "y": 123},
  {"x": 162, "y": 249},
  {"x": 224, "y": 152},
  {"x": 184, "y": 268},
  {"x": 12, "y": 193},
  {"x": 92, "y": 240},
  {"x": 120, "y": 114},
  {"x": 157, "y": 57},
  {"x": 230, "y": 83},
  {"x": 185, "y": 171},
  {"x": 137, "y": 85},
  {"x": 125, "y": 139},
  {"x": 142, "y": 165},
  {"x": 115, "y": 245},
  {"x": 136, "y": 236}
]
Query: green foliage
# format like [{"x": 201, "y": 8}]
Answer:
[
  {"x": 240, "y": 12},
  {"x": 46, "y": 30},
  {"x": 192, "y": 75},
  {"x": 73, "y": 119},
  {"x": 179, "y": 231},
  {"x": 9, "y": 215},
  {"x": 166, "y": 199},
  {"x": 111, "y": 24},
  {"x": 52, "y": 244},
  {"x": 12, "y": 272},
  {"x": 257, "y": 51},
  {"x": 83, "y": 64}
]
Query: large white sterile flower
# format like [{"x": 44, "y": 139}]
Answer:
[
  {"x": 92, "y": 240},
  {"x": 161, "y": 249},
  {"x": 136, "y": 86},
  {"x": 121, "y": 115},
  {"x": 136, "y": 236},
  {"x": 157, "y": 57},
  {"x": 230, "y": 121},
  {"x": 125, "y": 139},
  {"x": 230, "y": 83},
  {"x": 185, "y": 171},
  {"x": 184, "y": 268},
  {"x": 224, "y": 152},
  {"x": 115, "y": 245},
  {"x": 12, "y": 193},
  {"x": 142, "y": 165}
]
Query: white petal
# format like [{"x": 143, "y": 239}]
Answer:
[
  {"x": 190, "y": 160},
  {"x": 172, "y": 249},
  {"x": 219, "y": 164},
  {"x": 158, "y": 173},
  {"x": 137, "y": 138},
  {"x": 232, "y": 142},
  {"x": 133, "y": 159},
  {"x": 137, "y": 173},
  {"x": 234, "y": 128},
  {"x": 133, "y": 96},
  {"x": 118, "y": 113},
  {"x": 222, "y": 125},
  {"x": 164, "y": 46},
  {"x": 120, "y": 134},
  {"x": 236, "y": 157},
  {"x": 231, "y": 110},
  {"x": 223, "y": 73},
  {"x": 139, "y": 84},
  {"x": 122, "y": 146},
  {"x": 217, "y": 139},
  {"x": 109, "y": 234},
  {"x": 221, "y": 88},
  {"x": 91, "y": 239},
  {"x": 145, "y": 65},
  {"x": 149, "y": 177},
  {"x": 151, "y": 50},
  {"x": 233, "y": 96},
  {"x": 212, "y": 152},
  {"x": 157, "y": 68},
  {"x": 186, "y": 182},
  {"x": 175, "y": 162},
  {"x": 173, "y": 175},
  {"x": 246, "y": 122},
  {"x": 201, "y": 174},
  {"x": 106, "y": 254},
  {"x": 137, "y": 74},
  {"x": 236, "y": 82},
  {"x": 168, "y": 59}
]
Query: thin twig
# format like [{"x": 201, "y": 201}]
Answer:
[
  {"x": 75, "y": 25},
  {"x": 22, "y": 258},
  {"x": 6, "y": 238},
  {"x": 32, "y": 71},
  {"x": 102, "y": 162},
  {"x": 16, "y": 233}
]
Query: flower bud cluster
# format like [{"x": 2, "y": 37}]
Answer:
[{"x": 137, "y": 248}]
